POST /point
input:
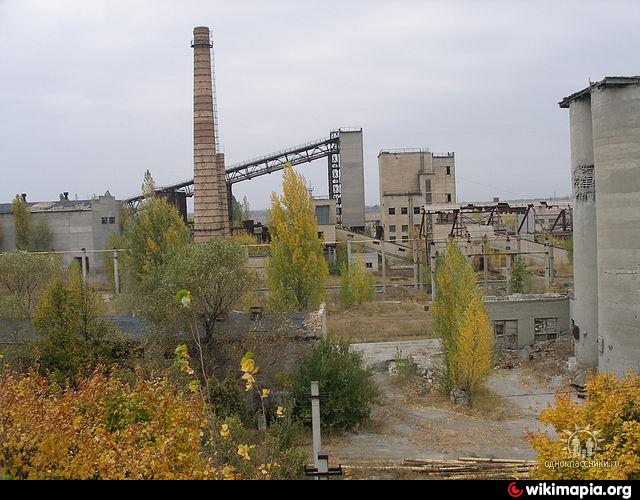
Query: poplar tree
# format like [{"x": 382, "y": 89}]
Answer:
[
  {"x": 455, "y": 283},
  {"x": 21, "y": 219},
  {"x": 297, "y": 271},
  {"x": 473, "y": 356},
  {"x": 151, "y": 233}
]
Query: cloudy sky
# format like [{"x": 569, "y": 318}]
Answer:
[{"x": 94, "y": 92}]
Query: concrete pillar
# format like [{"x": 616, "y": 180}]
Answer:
[
  {"x": 485, "y": 264},
  {"x": 552, "y": 263},
  {"x": 508, "y": 265},
  {"x": 414, "y": 251},
  {"x": 319, "y": 460},
  {"x": 211, "y": 213},
  {"x": 384, "y": 270},
  {"x": 116, "y": 272},
  {"x": 349, "y": 253},
  {"x": 84, "y": 265},
  {"x": 432, "y": 263}
]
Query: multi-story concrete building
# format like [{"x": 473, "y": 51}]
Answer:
[
  {"x": 74, "y": 224},
  {"x": 409, "y": 179},
  {"x": 327, "y": 218}
]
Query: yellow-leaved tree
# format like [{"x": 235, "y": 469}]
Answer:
[
  {"x": 297, "y": 271},
  {"x": 473, "y": 356},
  {"x": 601, "y": 435},
  {"x": 151, "y": 233},
  {"x": 455, "y": 284}
]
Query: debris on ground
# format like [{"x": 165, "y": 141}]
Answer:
[{"x": 460, "y": 398}]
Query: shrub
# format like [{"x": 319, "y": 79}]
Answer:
[
  {"x": 611, "y": 414},
  {"x": 104, "y": 429},
  {"x": 226, "y": 399},
  {"x": 520, "y": 277},
  {"x": 348, "y": 384},
  {"x": 70, "y": 316},
  {"x": 357, "y": 285}
]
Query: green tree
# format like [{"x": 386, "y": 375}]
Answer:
[
  {"x": 473, "y": 357},
  {"x": 70, "y": 316},
  {"x": 520, "y": 277},
  {"x": 346, "y": 380},
  {"x": 216, "y": 274},
  {"x": 21, "y": 219},
  {"x": 357, "y": 285},
  {"x": 23, "y": 277},
  {"x": 40, "y": 237},
  {"x": 297, "y": 271},
  {"x": 151, "y": 233},
  {"x": 455, "y": 283}
]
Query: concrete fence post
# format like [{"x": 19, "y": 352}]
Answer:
[
  {"x": 485, "y": 264},
  {"x": 432, "y": 263},
  {"x": 384, "y": 270},
  {"x": 414, "y": 251},
  {"x": 116, "y": 272},
  {"x": 508, "y": 266},
  {"x": 84, "y": 265},
  {"x": 349, "y": 253}
]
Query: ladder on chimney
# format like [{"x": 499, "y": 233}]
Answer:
[{"x": 216, "y": 131}]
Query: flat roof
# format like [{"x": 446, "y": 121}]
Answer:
[{"x": 607, "y": 81}]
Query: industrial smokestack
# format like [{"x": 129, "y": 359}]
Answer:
[{"x": 211, "y": 213}]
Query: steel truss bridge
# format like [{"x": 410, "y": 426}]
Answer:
[{"x": 326, "y": 147}]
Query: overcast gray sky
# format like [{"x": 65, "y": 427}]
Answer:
[{"x": 94, "y": 92}]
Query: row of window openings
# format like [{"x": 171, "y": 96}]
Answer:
[
  {"x": 393, "y": 239},
  {"x": 544, "y": 328},
  {"x": 416, "y": 210},
  {"x": 108, "y": 220},
  {"x": 405, "y": 228}
]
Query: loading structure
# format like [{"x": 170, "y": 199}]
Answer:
[{"x": 343, "y": 149}]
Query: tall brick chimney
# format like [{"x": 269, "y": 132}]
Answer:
[{"x": 211, "y": 211}]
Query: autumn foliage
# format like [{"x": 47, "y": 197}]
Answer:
[
  {"x": 611, "y": 411},
  {"x": 104, "y": 429}
]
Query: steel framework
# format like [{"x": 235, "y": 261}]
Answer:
[{"x": 328, "y": 147}]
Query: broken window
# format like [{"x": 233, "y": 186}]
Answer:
[
  {"x": 428, "y": 193},
  {"x": 416, "y": 210},
  {"x": 448, "y": 170},
  {"x": 405, "y": 228},
  {"x": 506, "y": 333},
  {"x": 392, "y": 228},
  {"x": 392, "y": 239},
  {"x": 404, "y": 211},
  {"x": 392, "y": 211},
  {"x": 545, "y": 328},
  {"x": 369, "y": 265},
  {"x": 448, "y": 198}
]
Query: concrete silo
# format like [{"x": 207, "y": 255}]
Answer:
[
  {"x": 615, "y": 108},
  {"x": 584, "y": 306}
]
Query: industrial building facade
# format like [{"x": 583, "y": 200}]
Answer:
[
  {"x": 605, "y": 167},
  {"x": 410, "y": 179},
  {"x": 74, "y": 225}
]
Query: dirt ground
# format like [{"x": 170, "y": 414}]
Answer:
[{"x": 414, "y": 422}]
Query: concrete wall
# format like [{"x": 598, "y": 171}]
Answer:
[
  {"x": 525, "y": 309},
  {"x": 616, "y": 137},
  {"x": 584, "y": 306},
  {"x": 370, "y": 260},
  {"x": 352, "y": 178}
]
